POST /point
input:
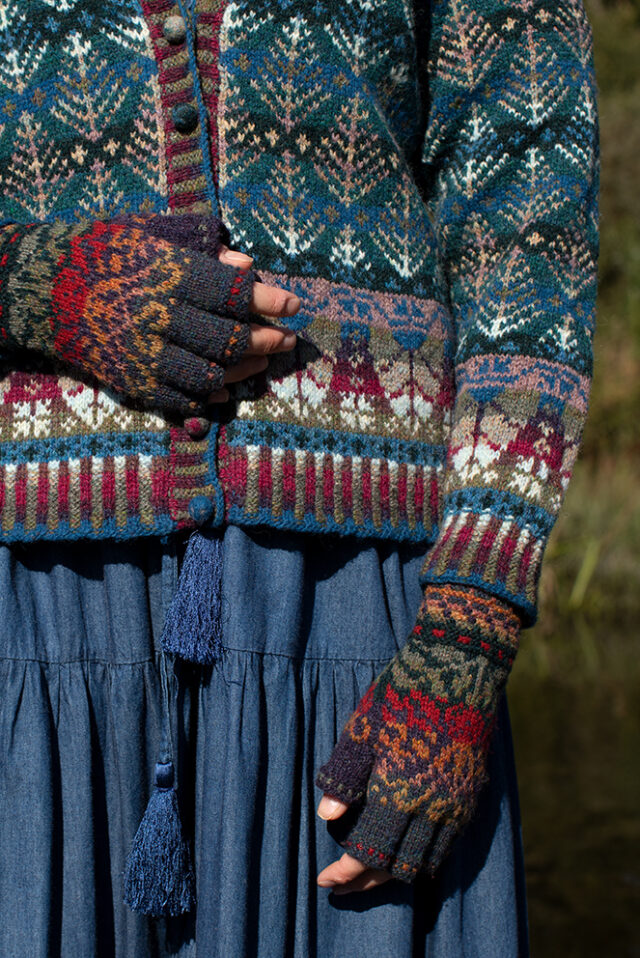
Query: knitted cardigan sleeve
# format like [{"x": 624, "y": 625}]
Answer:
[
  {"x": 511, "y": 163},
  {"x": 141, "y": 304},
  {"x": 510, "y": 158}
]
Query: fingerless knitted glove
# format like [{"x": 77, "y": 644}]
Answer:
[
  {"x": 141, "y": 304},
  {"x": 413, "y": 754}
]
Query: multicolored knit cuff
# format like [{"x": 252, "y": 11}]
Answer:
[
  {"x": 412, "y": 757},
  {"x": 502, "y": 556},
  {"x": 470, "y": 620}
]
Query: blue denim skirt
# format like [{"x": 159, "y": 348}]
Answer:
[{"x": 308, "y": 624}]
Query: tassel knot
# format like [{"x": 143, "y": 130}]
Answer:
[{"x": 164, "y": 775}]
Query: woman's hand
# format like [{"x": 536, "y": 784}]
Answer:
[
  {"x": 154, "y": 308},
  {"x": 346, "y": 874},
  {"x": 412, "y": 759},
  {"x": 263, "y": 340}
]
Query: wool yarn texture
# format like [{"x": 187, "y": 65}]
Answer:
[
  {"x": 425, "y": 178},
  {"x": 120, "y": 301},
  {"x": 412, "y": 757}
]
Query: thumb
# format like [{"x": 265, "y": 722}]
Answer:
[
  {"x": 234, "y": 257},
  {"x": 330, "y": 808}
]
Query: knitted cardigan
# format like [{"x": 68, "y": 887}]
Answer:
[{"x": 422, "y": 175}]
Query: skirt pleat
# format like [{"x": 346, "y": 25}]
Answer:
[
  {"x": 308, "y": 625},
  {"x": 80, "y": 722}
]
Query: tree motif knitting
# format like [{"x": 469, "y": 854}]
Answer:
[{"x": 423, "y": 175}]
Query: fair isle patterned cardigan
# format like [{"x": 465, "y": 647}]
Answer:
[{"x": 423, "y": 175}]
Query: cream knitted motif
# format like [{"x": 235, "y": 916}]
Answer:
[{"x": 424, "y": 177}]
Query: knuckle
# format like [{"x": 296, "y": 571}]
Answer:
[
  {"x": 272, "y": 340},
  {"x": 275, "y": 303}
]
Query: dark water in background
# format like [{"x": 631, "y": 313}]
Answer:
[{"x": 578, "y": 759}]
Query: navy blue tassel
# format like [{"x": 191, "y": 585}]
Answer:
[
  {"x": 193, "y": 625},
  {"x": 159, "y": 877}
]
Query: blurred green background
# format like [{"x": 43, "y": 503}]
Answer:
[{"x": 575, "y": 691}]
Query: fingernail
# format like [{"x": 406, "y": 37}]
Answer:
[
  {"x": 329, "y": 807},
  {"x": 327, "y": 883},
  {"x": 292, "y": 305},
  {"x": 289, "y": 339},
  {"x": 241, "y": 259}
]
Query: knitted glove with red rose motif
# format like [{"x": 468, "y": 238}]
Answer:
[
  {"x": 139, "y": 303},
  {"x": 413, "y": 755}
]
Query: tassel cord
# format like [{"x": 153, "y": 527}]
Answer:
[
  {"x": 166, "y": 751},
  {"x": 159, "y": 878}
]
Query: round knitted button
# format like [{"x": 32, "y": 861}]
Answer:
[
  {"x": 174, "y": 30},
  {"x": 201, "y": 508},
  {"x": 185, "y": 117},
  {"x": 197, "y": 426}
]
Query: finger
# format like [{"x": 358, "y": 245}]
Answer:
[
  {"x": 175, "y": 401},
  {"x": 273, "y": 300},
  {"x": 330, "y": 808},
  {"x": 371, "y": 878},
  {"x": 215, "y": 338},
  {"x": 222, "y": 395},
  {"x": 245, "y": 368},
  {"x": 189, "y": 373},
  {"x": 234, "y": 257},
  {"x": 341, "y": 872},
  {"x": 266, "y": 339}
]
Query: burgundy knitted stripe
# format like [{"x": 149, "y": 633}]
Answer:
[
  {"x": 187, "y": 472},
  {"x": 500, "y": 550},
  {"x": 324, "y": 487},
  {"x": 120, "y": 488},
  {"x": 185, "y": 172}
]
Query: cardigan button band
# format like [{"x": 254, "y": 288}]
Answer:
[
  {"x": 197, "y": 426},
  {"x": 201, "y": 509},
  {"x": 185, "y": 117},
  {"x": 174, "y": 30}
]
